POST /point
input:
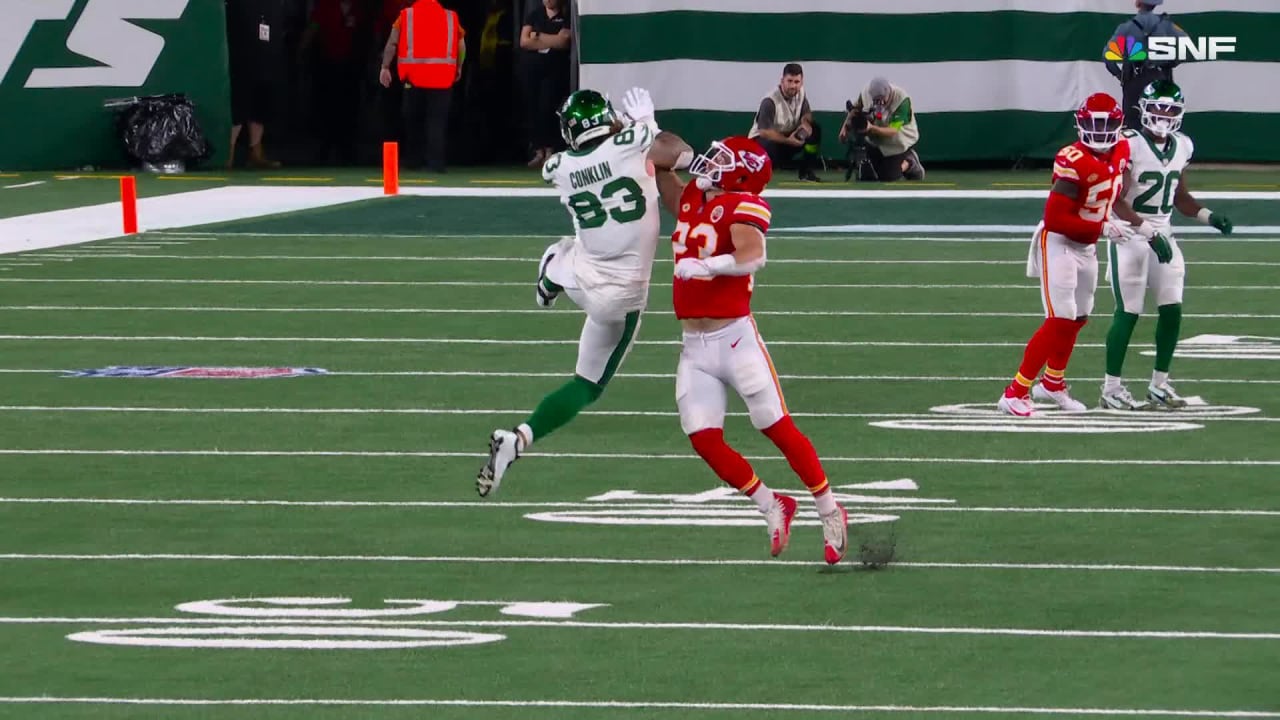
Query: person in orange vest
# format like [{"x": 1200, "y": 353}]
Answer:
[{"x": 429, "y": 45}]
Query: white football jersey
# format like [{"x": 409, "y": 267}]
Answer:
[
  {"x": 1156, "y": 173},
  {"x": 613, "y": 199}
]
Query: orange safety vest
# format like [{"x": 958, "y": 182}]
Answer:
[{"x": 429, "y": 40}]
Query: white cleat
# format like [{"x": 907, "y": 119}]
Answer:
[
  {"x": 1016, "y": 406},
  {"x": 504, "y": 449},
  {"x": 545, "y": 297},
  {"x": 1061, "y": 398},
  {"x": 1120, "y": 399},
  {"x": 1163, "y": 396},
  {"x": 835, "y": 535}
]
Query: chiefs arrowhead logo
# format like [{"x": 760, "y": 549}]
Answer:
[
  {"x": 1093, "y": 177},
  {"x": 752, "y": 161},
  {"x": 717, "y": 213}
]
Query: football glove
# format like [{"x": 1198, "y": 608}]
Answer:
[
  {"x": 1115, "y": 232},
  {"x": 689, "y": 268},
  {"x": 1221, "y": 223},
  {"x": 1163, "y": 250},
  {"x": 637, "y": 104}
]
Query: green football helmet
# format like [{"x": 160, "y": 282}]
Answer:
[
  {"x": 1162, "y": 106},
  {"x": 585, "y": 115}
]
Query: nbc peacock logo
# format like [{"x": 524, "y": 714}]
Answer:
[{"x": 1126, "y": 48}]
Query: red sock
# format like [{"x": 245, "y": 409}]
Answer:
[
  {"x": 724, "y": 460},
  {"x": 1065, "y": 343},
  {"x": 1033, "y": 359},
  {"x": 799, "y": 453}
]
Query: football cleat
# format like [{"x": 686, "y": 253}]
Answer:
[
  {"x": 1163, "y": 396},
  {"x": 778, "y": 517},
  {"x": 835, "y": 535},
  {"x": 1120, "y": 399},
  {"x": 1016, "y": 406},
  {"x": 1061, "y": 398},
  {"x": 545, "y": 297},
  {"x": 504, "y": 449}
]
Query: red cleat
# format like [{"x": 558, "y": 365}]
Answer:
[{"x": 779, "y": 519}]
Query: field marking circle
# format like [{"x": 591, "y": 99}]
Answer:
[
  {"x": 297, "y": 607},
  {"x": 1065, "y": 424},
  {"x": 285, "y": 637}
]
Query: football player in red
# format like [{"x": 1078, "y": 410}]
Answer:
[
  {"x": 1087, "y": 179},
  {"x": 719, "y": 243}
]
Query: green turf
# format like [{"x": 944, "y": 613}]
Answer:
[{"x": 1165, "y": 530}]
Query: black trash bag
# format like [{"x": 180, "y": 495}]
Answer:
[{"x": 161, "y": 130}]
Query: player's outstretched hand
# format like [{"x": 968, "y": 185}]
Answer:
[
  {"x": 637, "y": 104},
  {"x": 689, "y": 268},
  {"x": 1222, "y": 223},
  {"x": 1164, "y": 251}
]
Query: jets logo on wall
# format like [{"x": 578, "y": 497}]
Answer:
[{"x": 114, "y": 51}]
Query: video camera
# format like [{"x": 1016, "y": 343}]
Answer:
[{"x": 860, "y": 166}]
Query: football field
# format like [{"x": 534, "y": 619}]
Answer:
[{"x": 313, "y": 547}]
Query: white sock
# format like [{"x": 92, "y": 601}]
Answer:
[
  {"x": 1111, "y": 383},
  {"x": 826, "y": 503},
  {"x": 1159, "y": 378},
  {"x": 526, "y": 435},
  {"x": 763, "y": 497}
]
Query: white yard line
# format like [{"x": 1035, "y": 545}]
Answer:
[
  {"x": 445, "y": 504},
  {"x": 681, "y": 626},
  {"x": 491, "y": 284},
  {"x": 495, "y": 341},
  {"x": 543, "y": 312},
  {"x": 437, "y": 259},
  {"x": 640, "y": 705},
  {"x": 647, "y": 562},
  {"x": 622, "y": 456},
  {"x": 1096, "y": 414}
]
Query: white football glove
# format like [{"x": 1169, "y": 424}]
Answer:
[
  {"x": 689, "y": 268},
  {"x": 1116, "y": 231},
  {"x": 638, "y": 105}
]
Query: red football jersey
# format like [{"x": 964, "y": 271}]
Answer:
[
  {"x": 703, "y": 231},
  {"x": 1099, "y": 178}
]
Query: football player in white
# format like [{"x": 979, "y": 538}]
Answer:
[
  {"x": 1155, "y": 184},
  {"x": 607, "y": 182}
]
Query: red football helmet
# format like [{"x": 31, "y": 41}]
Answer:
[
  {"x": 735, "y": 164},
  {"x": 1098, "y": 121}
]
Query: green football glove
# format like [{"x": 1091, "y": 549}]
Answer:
[
  {"x": 1221, "y": 223},
  {"x": 1163, "y": 250}
]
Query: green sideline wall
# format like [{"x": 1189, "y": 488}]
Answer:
[
  {"x": 996, "y": 81},
  {"x": 66, "y": 127}
]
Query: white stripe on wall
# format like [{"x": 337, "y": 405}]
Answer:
[
  {"x": 911, "y": 7},
  {"x": 964, "y": 86}
]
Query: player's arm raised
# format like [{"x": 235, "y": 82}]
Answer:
[
  {"x": 1189, "y": 206},
  {"x": 668, "y": 154}
]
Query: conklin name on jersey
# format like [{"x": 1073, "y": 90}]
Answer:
[
  {"x": 1156, "y": 173},
  {"x": 613, "y": 200}
]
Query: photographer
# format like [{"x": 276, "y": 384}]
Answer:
[
  {"x": 784, "y": 124},
  {"x": 882, "y": 133}
]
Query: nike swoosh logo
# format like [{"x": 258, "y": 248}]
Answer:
[{"x": 734, "y": 344}]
